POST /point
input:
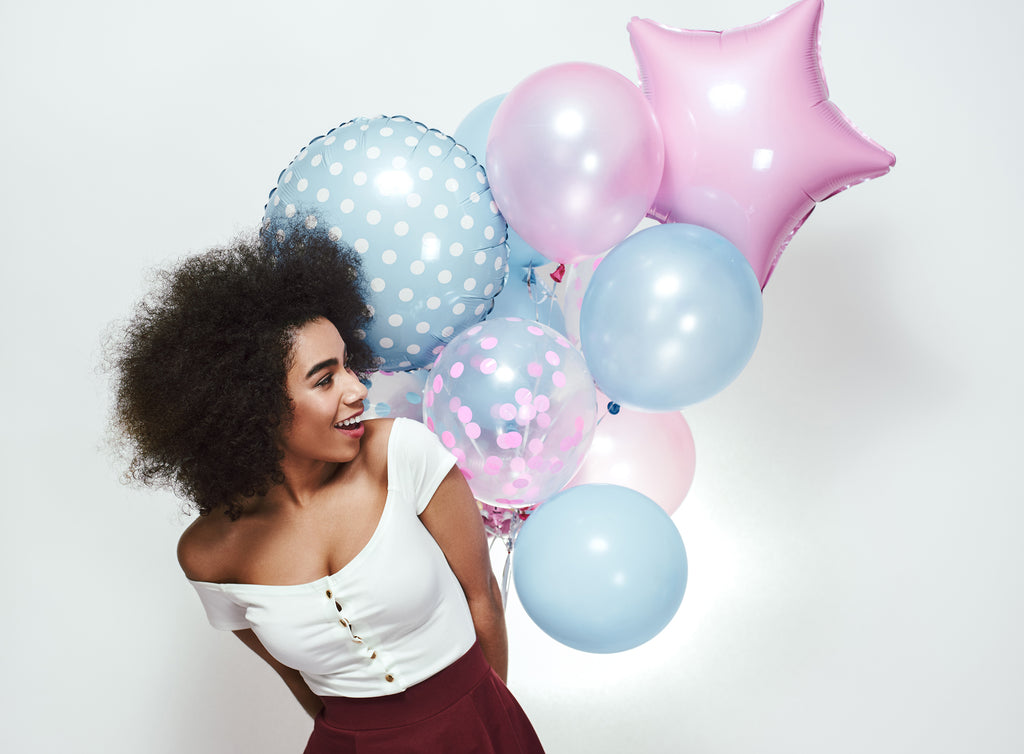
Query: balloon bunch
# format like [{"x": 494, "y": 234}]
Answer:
[{"x": 727, "y": 146}]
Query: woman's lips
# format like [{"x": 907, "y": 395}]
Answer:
[{"x": 351, "y": 430}]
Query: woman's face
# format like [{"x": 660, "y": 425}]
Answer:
[{"x": 327, "y": 397}]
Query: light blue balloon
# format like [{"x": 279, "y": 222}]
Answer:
[
  {"x": 526, "y": 297},
  {"x": 418, "y": 209},
  {"x": 600, "y": 568},
  {"x": 472, "y": 134},
  {"x": 671, "y": 316},
  {"x": 521, "y": 255}
]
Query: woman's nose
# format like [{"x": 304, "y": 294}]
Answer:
[{"x": 355, "y": 390}]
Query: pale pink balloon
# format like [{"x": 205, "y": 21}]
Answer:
[
  {"x": 574, "y": 159},
  {"x": 575, "y": 284},
  {"x": 751, "y": 140},
  {"x": 650, "y": 453}
]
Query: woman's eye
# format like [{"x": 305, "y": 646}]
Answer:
[{"x": 325, "y": 381}]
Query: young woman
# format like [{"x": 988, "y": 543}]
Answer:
[{"x": 348, "y": 554}]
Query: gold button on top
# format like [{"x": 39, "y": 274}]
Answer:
[
  {"x": 373, "y": 656},
  {"x": 343, "y": 622},
  {"x": 329, "y": 595},
  {"x": 357, "y": 639},
  {"x": 389, "y": 678}
]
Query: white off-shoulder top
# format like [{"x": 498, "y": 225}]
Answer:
[{"x": 392, "y": 617}]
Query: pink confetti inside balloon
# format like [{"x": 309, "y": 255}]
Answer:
[
  {"x": 503, "y": 522},
  {"x": 522, "y": 416}
]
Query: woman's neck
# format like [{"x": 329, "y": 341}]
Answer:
[{"x": 304, "y": 479}]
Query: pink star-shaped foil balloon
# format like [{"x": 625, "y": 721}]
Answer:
[{"x": 751, "y": 140}]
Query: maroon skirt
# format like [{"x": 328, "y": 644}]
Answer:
[{"x": 464, "y": 709}]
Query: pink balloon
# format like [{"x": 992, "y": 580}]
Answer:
[
  {"x": 575, "y": 284},
  {"x": 751, "y": 140},
  {"x": 574, "y": 159},
  {"x": 650, "y": 453}
]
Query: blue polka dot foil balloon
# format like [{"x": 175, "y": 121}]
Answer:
[{"x": 417, "y": 208}]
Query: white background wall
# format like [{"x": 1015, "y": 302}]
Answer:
[{"x": 854, "y": 527}]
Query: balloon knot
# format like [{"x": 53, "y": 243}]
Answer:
[
  {"x": 558, "y": 274},
  {"x": 613, "y": 407}
]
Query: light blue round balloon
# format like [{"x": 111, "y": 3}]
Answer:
[
  {"x": 521, "y": 255},
  {"x": 472, "y": 134},
  {"x": 671, "y": 317},
  {"x": 600, "y": 568},
  {"x": 417, "y": 208}
]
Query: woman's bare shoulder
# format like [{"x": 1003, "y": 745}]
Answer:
[
  {"x": 202, "y": 546},
  {"x": 375, "y": 441}
]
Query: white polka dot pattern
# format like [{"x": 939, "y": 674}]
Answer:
[{"x": 407, "y": 198}]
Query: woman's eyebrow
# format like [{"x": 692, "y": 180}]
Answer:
[{"x": 322, "y": 365}]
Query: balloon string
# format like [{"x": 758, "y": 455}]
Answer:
[
  {"x": 541, "y": 296},
  {"x": 531, "y": 283},
  {"x": 554, "y": 296},
  {"x": 504, "y": 580},
  {"x": 514, "y": 525}
]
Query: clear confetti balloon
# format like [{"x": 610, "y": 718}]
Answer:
[
  {"x": 515, "y": 403},
  {"x": 418, "y": 209}
]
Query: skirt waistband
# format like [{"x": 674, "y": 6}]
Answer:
[{"x": 416, "y": 703}]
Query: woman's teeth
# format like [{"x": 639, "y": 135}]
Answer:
[{"x": 349, "y": 422}]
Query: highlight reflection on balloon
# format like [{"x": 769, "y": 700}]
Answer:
[{"x": 751, "y": 138}]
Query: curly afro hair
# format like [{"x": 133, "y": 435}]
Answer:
[{"x": 200, "y": 368}]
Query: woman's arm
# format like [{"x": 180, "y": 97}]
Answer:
[
  {"x": 453, "y": 519},
  {"x": 292, "y": 678}
]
